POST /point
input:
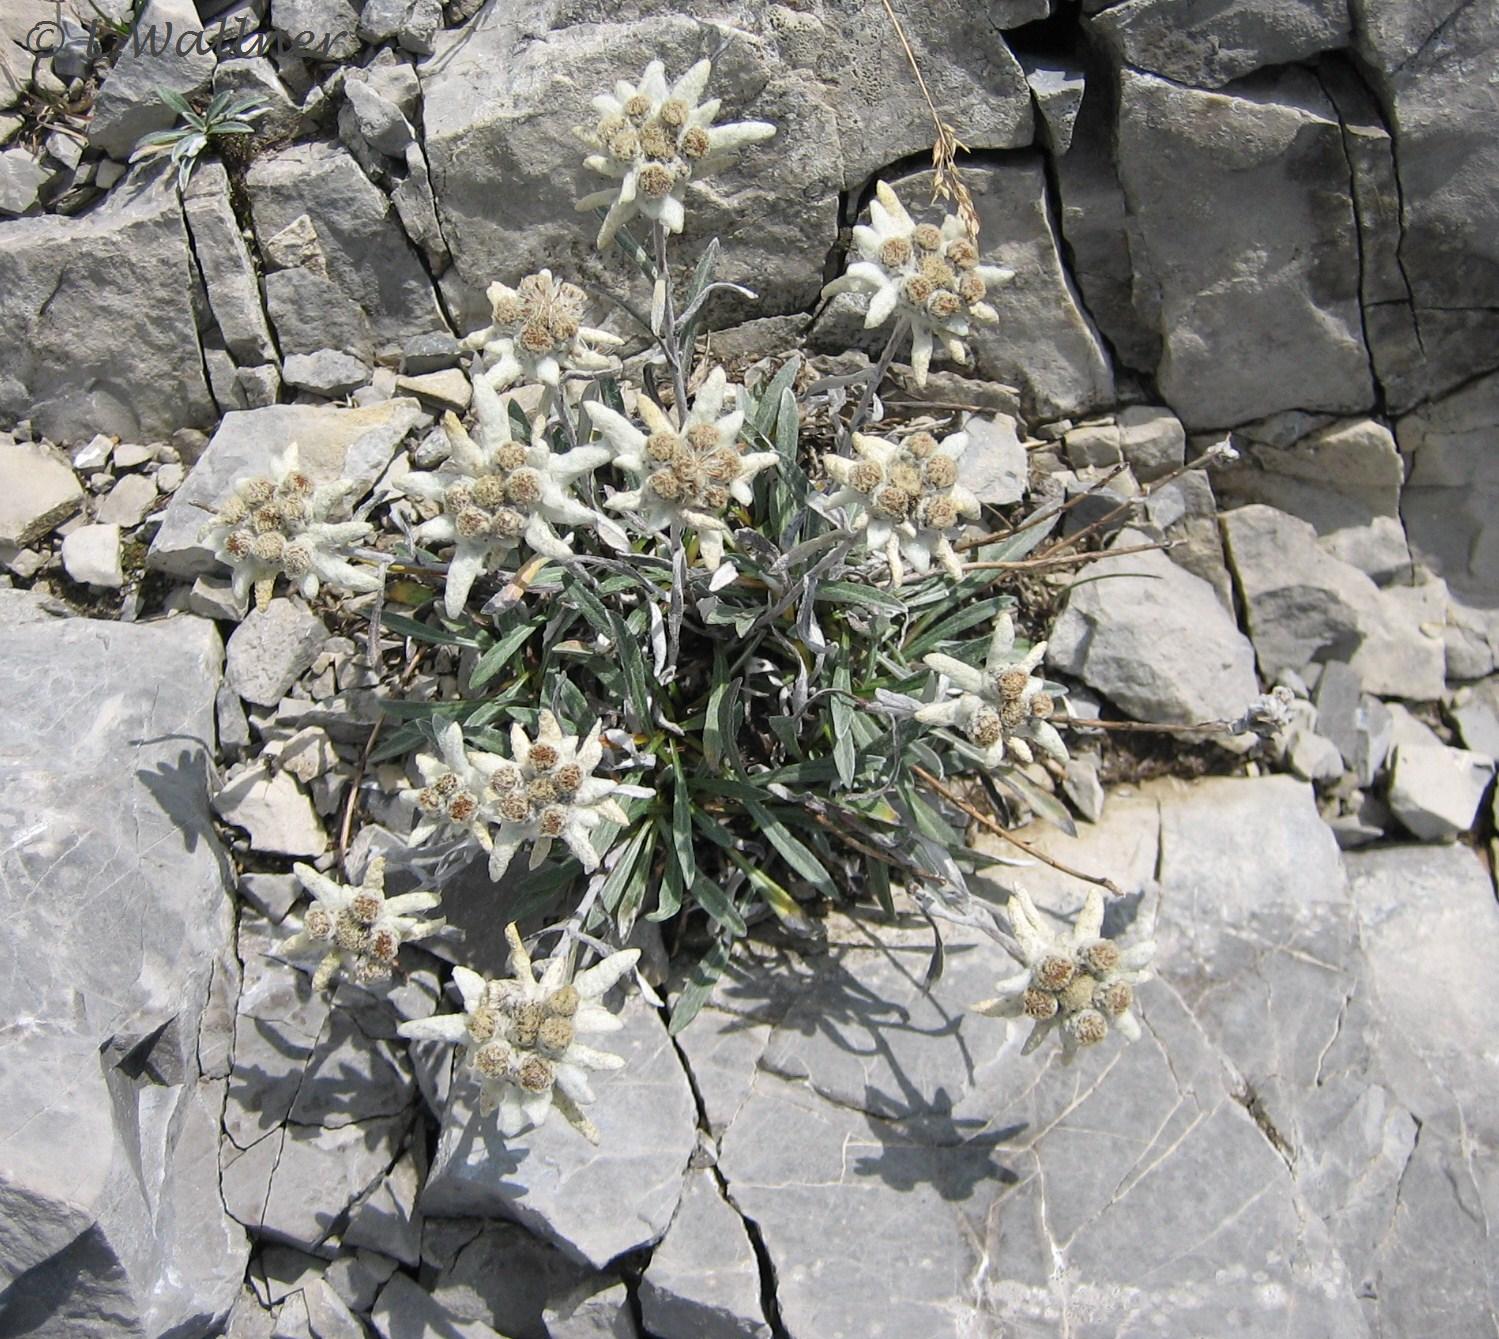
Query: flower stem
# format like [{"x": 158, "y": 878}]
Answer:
[
  {"x": 668, "y": 332},
  {"x": 876, "y": 377}
]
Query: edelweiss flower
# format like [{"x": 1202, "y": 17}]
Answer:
[
  {"x": 522, "y": 1036},
  {"x": 537, "y": 333},
  {"x": 687, "y": 477},
  {"x": 656, "y": 139},
  {"x": 359, "y": 929},
  {"x": 926, "y": 273},
  {"x": 280, "y": 524},
  {"x": 906, "y": 498},
  {"x": 547, "y": 790},
  {"x": 454, "y": 789},
  {"x": 497, "y": 492},
  {"x": 1001, "y": 706},
  {"x": 1080, "y": 983}
]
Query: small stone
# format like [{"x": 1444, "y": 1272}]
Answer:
[
  {"x": 170, "y": 476},
  {"x": 271, "y": 649},
  {"x": 1339, "y": 690},
  {"x": 22, "y": 180},
  {"x": 994, "y": 466},
  {"x": 274, "y": 810},
  {"x": 1096, "y": 446},
  {"x": 233, "y": 726},
  {"x": 130, "y": 455},
  {"x": 26, "y": 563},
  {"x": 128, "y": 501},
  {"x": 1477, "y": 722},
  {"x": 1312, "y": 757},
  {"x": 434, "y": 352},
  {"x": 449, "y": 389},
  {"x": 326, "y": 372},
  {"x": 93, "y": 454},
  {"x": 307, "y": 755},
  {"x": 273, "y": 895},
  {"x": 1153, "y": 441},
  {"x": 213, "y": 597},
  {"x": 91, "y": 556},
  {"x": 1082, "y": 786},
  {"x": 36, "y": 493},
  {"x": 1436, "y": 790}
]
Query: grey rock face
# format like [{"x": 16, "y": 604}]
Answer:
[
  {"x": 1303, "y": 606},
  {"x": 1242, "y": 223},
  {"x": 116, "y": 914},
  {"x": 557, "y": 1184},
  {"x": 87, "y": 354},
  {"x": 335, "y": 443},
  {"x": 153, "y": 58},
  {"x": 127, "y": 503},
  {"x": 1205, "y": 44},
  {"x": 1154, "y": 639},
  {"x": 1433, "y": 67},
  {"x": 22, "y": 180},
  {"x": 326, "y": 372},
  {"x": 334, "y": 24},
  {"x": 228, "y": 274},
  {"x": 1435, "y": 790},
  {"x": 91, "y": 555},
  {"x": 994, "y": 466},
  {"x": 703, "y": 1281},
  {"x": 368, "y": 259}
]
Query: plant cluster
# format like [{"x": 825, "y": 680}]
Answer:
[
  {"x": 227, "y": 116},
  {"x": 719, "y": 665}
]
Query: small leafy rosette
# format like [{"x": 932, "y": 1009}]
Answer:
[
  {"x": 536, "y": 334},
  {"x": 454, "y": 795},
  {"x": 904, "y": 498},
  {"x": 547, "y": 791},
  {"x": 357, "y": 928},
  {"x": 1001, "y": 709},
  {"x": 278, "y": 526},
  {"x": 522, "y": 1036},
  {"x": 687, "y": 477},
  {"x": 497, "y": 493},
  {"x": 927, "y": 273},
  {"x": 1079, "y": 985},
  {"x": 654, "y": 139}
]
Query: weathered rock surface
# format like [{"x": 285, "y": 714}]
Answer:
[
  {"x": 91, "y": 555},
  {"x": 363, "y": 251},
  {"x": 270, "y": 649},
  {"x": 1241, "y": 222},
  {"x": 334, "y": 443},
  {"x": 1435, "y": 790},
  {"x": 228, "y": 272},
  {"x": 37, "y": 491},
  {"x": 593, "y": 1202},
  {"x": 1303, "y": 606},
  {"x": 86, "y": 355},
  {"x": 1155, "y": 640},
  {"x": 154, "y": 58},
  {"x": 117, "y": 917}
]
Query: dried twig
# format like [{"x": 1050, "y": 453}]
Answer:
[{"x": 999, "y": 830}]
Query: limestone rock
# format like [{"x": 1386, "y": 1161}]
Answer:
[
  {"x": 554, "y": 1182},
  {"x": 91, "y": 555},
  {"x": 334, "y": 442},
  {"x": 334, "y": 24},
  {"x": 1304, "y": 606},
  {"x": 1435, "y": 790},
  {"x": 448, "y": 389},
  {"x": 327, "y": 372},
  {"x": 119, "y": 1226},
  {"x": 130, "y": 102},
  {"x": 22, "y": 180},
  {"x": 703, "y": 1281},
  {"x": 37, "y": 492},
  {"x": 1154, "y": 639},
  {"x": 368, "y": 260},
  {"x": 1241, "y": 222},
  {"x": 994, "y": 466},
  {"x": 70, "y": 296},
  {"x": 1206, "y": 44},
  {"x": 405, "y": 1308},
  {"x": 228, "y": 273},
  {"x": 127, "y": 503},
  {"x": 274, "y": 810},
  {"x": 271, "y": 649}
]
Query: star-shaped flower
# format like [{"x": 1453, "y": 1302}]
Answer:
[
  {"x": 1079, "y": 983},
  {"x": 905, "y": 498},
  {"x": 687, "y": 477},
  {"x": 654, "y": 140},
  {"x": 536, "y": 333},
  {"x": 359, "y": 929},
  {"x": 521, "y": 1036},
  {"x": 496, "y": 492},
  {"x": 1001, "y": 706},
  {"x": 927, "y": 273},
  {"x": 547, "y": 790},
  {"x": 455, "y": 790},
  {"x": 270, "y": 526}
]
